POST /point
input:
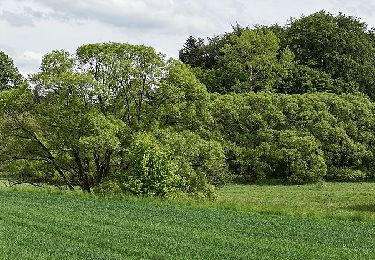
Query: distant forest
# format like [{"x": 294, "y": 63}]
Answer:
[{"x": 292, "y": 103}]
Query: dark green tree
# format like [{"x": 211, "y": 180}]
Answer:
[
  {"x": 340, "y": 46},
  {"x": 64, "y": 138},
  {"x": 9, "y": 74}
]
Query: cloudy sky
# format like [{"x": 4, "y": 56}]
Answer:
[{"x": 31, "y": 28}]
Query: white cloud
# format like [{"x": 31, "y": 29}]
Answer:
[
  {"x": 15, "y": 19},
  {"x": 30, "y": 61},
  {"x": 34, "y": 27},
  {"x": 163, "y": 15}
]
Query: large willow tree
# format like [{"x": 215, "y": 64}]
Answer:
[
  {"x": 67, "y": 128},
  {"x": 74, "y": 124}
]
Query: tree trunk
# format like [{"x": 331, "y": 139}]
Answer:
[
  {"x": 102, "y": 168},
  {"x": 82, "y": 174}
]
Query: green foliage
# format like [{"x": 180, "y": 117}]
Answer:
[
  {"x": 249, "y": 63},
  {"x": 203, "y": 159},
  {"x": 84, "y": 118},
  {"x": 291, "y": 155},
  {"x": 255, "y": 103},
  {"x": 346, "y": 174},
  {"x": 181, "y": 100},
  {"x": 288, "y": 155},
  {"x": 338, "y": 45},
  {"x": 316, "y": 53},
  {"x": 193, "y": 52},
  {"x": 295, "y": 137},
  {"x": 126, "y": 76},
  {"x": 9, "y": 74},
  {"x": 58, "y": 132},
  {"x": 201, "y": 54},
  {"x": 165, "y": 163},
  {"x": 299, "y": 79},
  {"x": 322, "y": 38},
  {"x": 151, "y": 170}
]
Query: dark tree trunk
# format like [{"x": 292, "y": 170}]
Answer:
[
  {"x": 82, "y": 174},
  {"x": 102, "y": 167}
]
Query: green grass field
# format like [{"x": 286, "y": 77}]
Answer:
[
  {"x": 354, "y": 201},
  {"x": 60, "y": 225}
]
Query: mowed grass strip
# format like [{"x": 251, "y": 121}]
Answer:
[{"x": 37, "y": 225}]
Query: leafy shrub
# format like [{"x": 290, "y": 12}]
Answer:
[
  {"x": 163, "y": 163},
  {"x": 346, "y": 174},
  {"x": 301, "y": 159},
  {"x": 200, "y": 161},
  {"x": 286, "y": 136},
  {"x": 289, "y": 155},
  {"x": 151, "y": 170}
]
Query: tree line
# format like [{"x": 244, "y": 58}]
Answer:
[{"x": 293, "y": 103}]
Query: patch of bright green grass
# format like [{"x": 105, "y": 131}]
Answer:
[
  {"x": 49, "y": 225},
  {"x": 354, "y": 201}
]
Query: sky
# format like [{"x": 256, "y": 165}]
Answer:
[{"x": 31, "y": 28}]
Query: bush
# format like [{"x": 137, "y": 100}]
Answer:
[
  {"x": 288, "y": 155},
  {"x": 301, "y": 159},
  {"x": 286, "y": 136},
  {"x": 163, "y": 163},
  {"x": 346, "y": 174},
  {"x": 204, "y": 157},
  {"x": 151, "y": 170}
]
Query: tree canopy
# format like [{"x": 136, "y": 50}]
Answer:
[
  {"x": 9, "y": 74},
  {"x": 319, "y": 52},
  {"x": 293, "y": 103}
]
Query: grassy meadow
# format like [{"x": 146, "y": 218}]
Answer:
[
  {"x": 354, "y": 201},
  {"x": 241, "y": 224}
]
